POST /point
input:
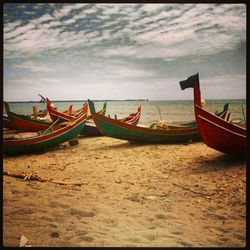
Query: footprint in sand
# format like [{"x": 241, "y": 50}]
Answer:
[
  {"x": 79, "y": 234},
  {"x": 69, "y": 194},
  {"x": 184, "y": 243},
  {"x": 110, "y": 222},
  {"x": 216, "y": 216},
  {"x": 81, "y": 213},
  {"x": 58, "y": 204},
  {"x": 150, "y": 237},
  {"x": 177, "y": 232},
  {"x": 45, "y": 218},
  {"x": 165, "y": 217},
  {"x": 134, "y": 240},
  {"x": 15, "y": 192},
  {"x": 86, "y": 238},
  {"x": 240, "y": 236},
  {"x": 23, "y": 211}
]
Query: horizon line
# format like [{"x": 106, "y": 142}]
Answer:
[{"x": 115, "y": 100}]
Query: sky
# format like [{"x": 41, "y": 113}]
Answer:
[{"x": 98, "y": 51}]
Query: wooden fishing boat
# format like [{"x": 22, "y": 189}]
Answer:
[
  {"x": 216, "y": 132},
  {"x": 28, "y": 142},
  {"x": 90, "y": 128},
  {"x": 58, "y": 116},
  {"x": 133, "y": 118},
  {"x": 44, "y": 114},
  {"x": 7, "y": 122},
  {"x": 224, "y": 114},
  {"x": 71, "y": 112},
  {"x": 23, "y": 122},
  {"x": 120, "y": 130},
  {"x": 101, "y": 112}
]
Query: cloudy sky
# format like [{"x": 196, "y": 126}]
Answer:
[{"x": 123, "y": 51}]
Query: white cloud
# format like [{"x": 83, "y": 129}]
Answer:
[
  {"x": 224, "y": 87},
  {"x": 122, "y": 51},
  {"x": 152, "y": 7},
  {"x": 33, "y": 67},
  {"x": 11, "y": 26},
  {"x": 76, "y": 54},
  {"x": 19, "y": 31},
  {"x": 44, "y": 18},
  {"x": 69, "y": 21}
]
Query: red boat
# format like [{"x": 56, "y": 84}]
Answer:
[
  {"x": 216, "y": 132},
  {"x": 58, "y": 117},
  {"x": 25, "y": 122},
  {"x": 133, "y": 118}
]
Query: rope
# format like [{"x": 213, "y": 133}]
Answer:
[{"x": 34, "y": 177}]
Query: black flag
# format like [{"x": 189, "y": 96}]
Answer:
[{"x": 189, "y": 83}]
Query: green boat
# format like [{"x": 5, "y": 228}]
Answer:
[
  {"x": 29, "y": 142},
  {"x": 119, "y": 130}
]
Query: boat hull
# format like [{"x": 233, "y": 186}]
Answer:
[
  {"x": 44, "y": 141},
  {"x": 219, "y": 134},
  {"x": 90, "y": 129},
  {"x": 60, "y": 117},
  {"x": 24, "y": 123},
  {"x": 116, "y": 129}
]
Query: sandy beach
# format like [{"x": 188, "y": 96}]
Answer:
[{"x": 131, "y": 195}]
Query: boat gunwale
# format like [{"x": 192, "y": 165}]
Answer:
[
  {"x": 170, "y": 132},
  {"x": 222, "y": 121},
  {"x": 45, "y": 137},
  {"x": 27, "y": 119}
]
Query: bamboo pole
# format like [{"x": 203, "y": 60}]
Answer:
[
  {"x": 159, "y": 112},
  {"x": 43, "y": 132},
  {"x": 243, "y": 113}
]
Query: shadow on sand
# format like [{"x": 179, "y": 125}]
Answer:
[
  {"x": 220, "y": 162},
  {"x": 123, "y": 145}
]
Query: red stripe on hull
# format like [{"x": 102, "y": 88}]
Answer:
[
  {"x": 45, "y": 137},
  {"x": 28, "y": 126}
]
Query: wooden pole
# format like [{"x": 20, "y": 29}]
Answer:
[
  {"x": 159, "y": 112},
  {"x": 35, "y": 112},
  {"x": 243, "y": 113}
]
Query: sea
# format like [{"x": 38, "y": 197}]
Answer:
[{"x": 152, "y": 111}]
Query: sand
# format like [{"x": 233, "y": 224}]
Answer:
[{"x": 132, "y": 195}]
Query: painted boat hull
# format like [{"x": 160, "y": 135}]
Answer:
[
  {"x": 24, "y": 123},
  {"x": 7, "y": 122},
  {"x": 44, "y": 141},
  {"x": 59, "y": 117},
  {"x": 220, "y": 134},
  {"x": 90, "y": 129},
  {"x": 120, "y": 130}
]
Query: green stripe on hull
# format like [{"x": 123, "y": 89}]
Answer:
[
  {"x": 30, "y": 148},
  {"x": 140, "y": 136}
]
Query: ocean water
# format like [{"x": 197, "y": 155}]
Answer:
[{"x": 152, "y": 111}]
